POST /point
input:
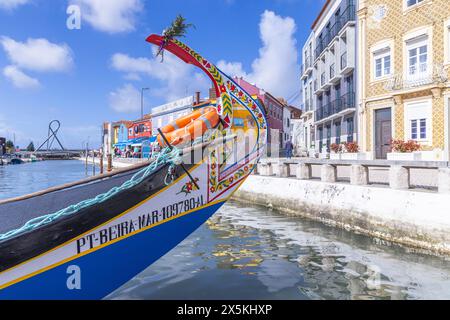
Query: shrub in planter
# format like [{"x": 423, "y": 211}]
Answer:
[
  {"x": 336, "y": 148},
  {"x": 351, "y": 147},
  {"x": 404, "y": 146}
]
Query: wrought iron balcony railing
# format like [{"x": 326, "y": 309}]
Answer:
[
  {"x": 349, "y": 14},
  {"x": 347, "y": 101},
  {"x": 332, "y": 71},
  {"x": 418, "y": 76}
]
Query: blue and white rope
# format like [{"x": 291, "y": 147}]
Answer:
[{"x": 164, "y": 156}]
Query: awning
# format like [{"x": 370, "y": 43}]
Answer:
[
  {"x": 120, "y": 144},
  {"x": 136, "y": 142}
]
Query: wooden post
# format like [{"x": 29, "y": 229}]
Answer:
[
  {"x": 109, "y": 168},
  {"x": 101, "y": 162},
  {"x": 93, "y": 163},
  {"x": 86, "y": 162}
]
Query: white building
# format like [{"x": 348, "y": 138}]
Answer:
[
  {"x": 166, "y": 113},
  {"x": 329, "y": 77}
]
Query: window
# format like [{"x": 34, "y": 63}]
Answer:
[
  {"x": 350, "y": 129},
  {"x": 382, "y": 63},
  {"x": 420, "y": 124},
  {"x": 410, "y": 3},
  {"x": 337, "y": 126},
  {"x": 418, "y": 121},
  {"x": 418, "y": 60}
]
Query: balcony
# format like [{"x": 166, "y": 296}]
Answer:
[
  {"x": 317, "y": 89},
  {"x": 306, "y": 68},
  {"x": 323, "y": 112},
  {"x": 340, "y": 105},
  {"x": 419, "y": 76},
  {"x": 349, "y": 15},
  {"x": 324, "y": 84},
  {"x": 334, "y": 76},
  {"x": 348, "y": 101},
  {"x": 346, "y": 67},
  {"x": 308, "y": 106}
]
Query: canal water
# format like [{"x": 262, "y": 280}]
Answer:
[{"x": 249, "y": 252}]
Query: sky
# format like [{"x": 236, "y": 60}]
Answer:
[{"x": 86, "y": 71}]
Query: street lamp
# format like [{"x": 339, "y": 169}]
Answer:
[{"x": 142, "y": 101}]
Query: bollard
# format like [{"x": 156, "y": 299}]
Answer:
[
  {"x": 304, "y": 171},
  {"x": 444, "y": 180},
  {"x": 399, "y": 177},
  {"x": 101, "y": 163},
  {"x": 328, "y": 173},
  {"x": 93, "y": 163},
  {"x": 266, "y": 169},
  {"x": 109, "y": 167},
  {"x": 284, "y": 171},
  {"x": 86, "y": 162},
  {"x": 359, "y": 175}
]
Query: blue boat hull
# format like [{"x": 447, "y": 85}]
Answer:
[{"x": 103, "y": 271}]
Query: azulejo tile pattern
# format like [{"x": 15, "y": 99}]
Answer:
[{"x": 387, "y": 20}]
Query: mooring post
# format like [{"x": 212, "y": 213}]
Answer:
[
  {"x": 101, "y": 162},
  {"x": 109, "y": 168},
  {"x": 86, "y": 161},
  {"x": 93, "y": 163}
]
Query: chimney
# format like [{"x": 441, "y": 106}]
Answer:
[{"x": 197, "y": 97}]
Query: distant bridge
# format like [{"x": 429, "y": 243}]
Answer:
[{"x": 52, "y": 154}]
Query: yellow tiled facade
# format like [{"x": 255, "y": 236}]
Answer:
[{"x": 390, "y": 21}]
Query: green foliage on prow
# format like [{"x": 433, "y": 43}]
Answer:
[{"x": 177, "y": 29}]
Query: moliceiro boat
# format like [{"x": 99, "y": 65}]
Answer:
[{"x": 85, "y": 239}]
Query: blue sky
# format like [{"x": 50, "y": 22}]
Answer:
[{"x": 93, "y": 74}]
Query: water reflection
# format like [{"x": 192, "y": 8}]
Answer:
[{"x": 252, "y": 253}]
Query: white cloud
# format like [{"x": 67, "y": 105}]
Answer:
[
  {"x": 125, "y": 99},
  {"x": 276, "y": 68},
  {"x": 38, "y": 54},
  {"x": 177, "y": 79},
  {"x": 12, "y": 4},
  {"x": 111, "y": 16},
  {"x": 20, "y": 79}
]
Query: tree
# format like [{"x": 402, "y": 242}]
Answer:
[
  {"x": 9, "y": 146},
  {"x": 30, "y": 146}
]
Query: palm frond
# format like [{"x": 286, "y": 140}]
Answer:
[{"x": 177, "y": 29}]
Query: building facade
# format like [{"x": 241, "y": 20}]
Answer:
[
  {"x": 274, "y": 114},
  {"x": 166, "y": 113},
  {"x": 290, "y": 113},
  {"x": 120, "y": 133},
  {"x": 404, "y": 47},
  {"x": 141, "y": 128},
  {"x": 307, "y": 141},
  {"x": 329, "y": 77}
]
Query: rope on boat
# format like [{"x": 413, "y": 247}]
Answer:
[{"x": 166, "y": 155}]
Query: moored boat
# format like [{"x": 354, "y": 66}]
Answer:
[{"x": 85, "y": 239}]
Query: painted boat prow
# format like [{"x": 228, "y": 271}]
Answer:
[{"x": 89, "y": 254}]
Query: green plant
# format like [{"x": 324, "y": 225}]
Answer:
[{"x": 178, "y": 28}]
